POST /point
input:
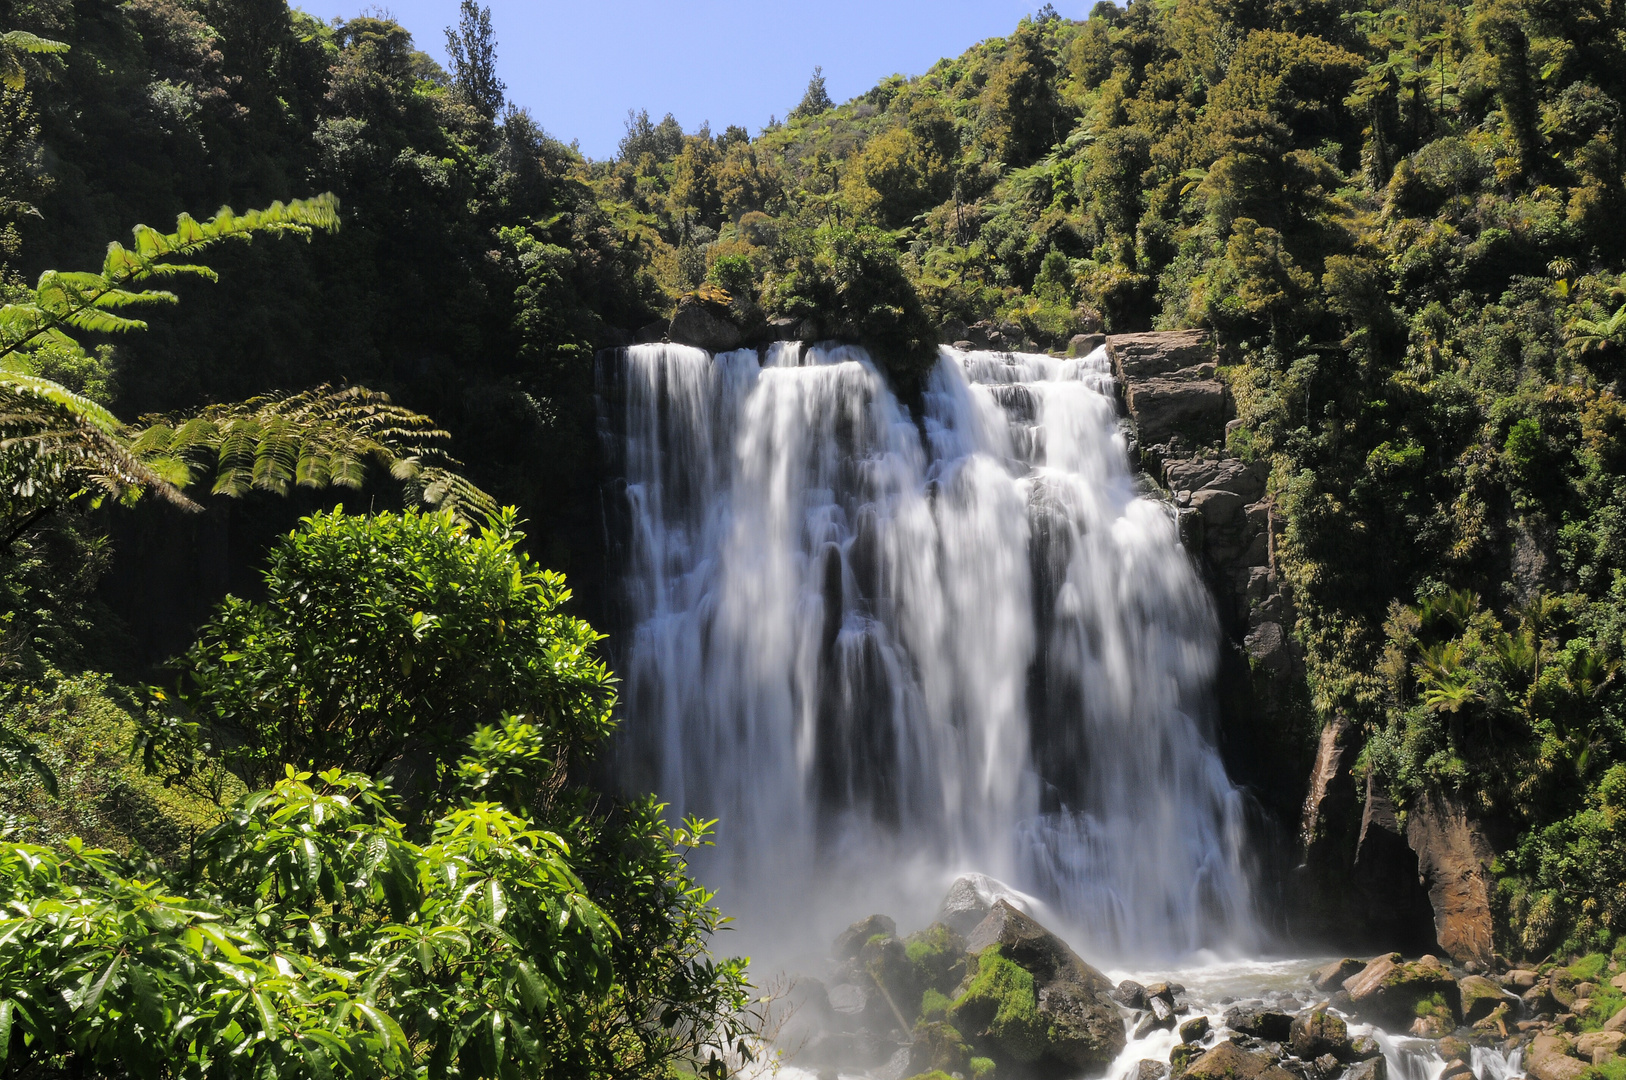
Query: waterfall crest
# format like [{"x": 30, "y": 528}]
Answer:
[{"x": 882, "y": 651}]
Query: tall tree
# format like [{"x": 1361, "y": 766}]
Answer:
[
  {"x": 816, "y": 100},
  {"x": 473, "y": 51}
]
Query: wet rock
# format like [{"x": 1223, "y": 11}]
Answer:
[
  {"x": 1392, "y": 992},
  {"x": 1084, "y": 344},
  {"x": 1160, "y": 1008},
  {"x": 1318, "y": 1032},
  {"x": 1194, "y": 1029},
  {"x": 1331, "y": 977},
  {"x": 851, "y": 941},
  {"x": 655, "y": 331},
  {"x": 1260, "y": 1023},
  {"x": 951, "y": 331},
  {"x": 1364, "y": 1048},
  {"x": 782, "y": 329},
  {"x": 1327, "y": 1066},
  {"x": 1228, "y": 1061},
  {"x": 1129, "y": 994},
  {"x": 1152, "y": 1022},
  {"x": 1373, "y": 1068},
  {"x": 938, "y": 1047},
  {"x": 1181, "y": 1057},
  {"x": 698, "y": 325},
  {"x": 1077, "y": 1027},
  {"x": 1455, "y": 1068},
  {"x": 972, "y": 896},
  {"x": 1480, "y": 997},
  {"x": 1521, "y": 978},
  {"x": 1453, "y": 857},
  {"x": 936, "y": 958},
  {"x": 1430, "y": 1027},
  {"x": 1149, "y": 1069}
]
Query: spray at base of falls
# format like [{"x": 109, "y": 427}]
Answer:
[{"x": 883, "y": 649}]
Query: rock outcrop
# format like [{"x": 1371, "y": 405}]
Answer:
[
  {"x": 1052, "y": 1013},
  {"x": 697, "y": 324},
  {"x": 972, "y": 896},
  {"x": 1453, "y": 858},
  {"x": 1170, "y": 385},
  {"x": 1395, "y": 993}
]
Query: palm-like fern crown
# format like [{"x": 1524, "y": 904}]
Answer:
[{"x": 56, "y": 445}]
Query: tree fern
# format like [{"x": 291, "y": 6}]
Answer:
[
  {"x": 317, "y": 438},
  {"x": 57, "y": 446},
  {"x": 14, "y": 45}
]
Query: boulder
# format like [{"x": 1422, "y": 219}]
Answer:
[
  {"x": 1085, "y": 344},
  {"x": 1373, "y": 1068},
  {"x": 1619, "y": 982},
  {"x": 1129, "y": 994},
  {"x": 972, "y": 896},
  {"x": 698, "y": 325},
  {"x": 1616, "y": 1022},
  {"x": 1331, "y": 977},
  {"x": 938, "y": 1047},
  {"x": 1318, "y": 1032},
  {"x": 1600, "y": 1046},
  {"x": 1181, "y": 1057},
  {"x": 1548, "y": 1058},
  {"x": 1363, "y": 1047},
  {"x": 1194, "y": 1029},
  {"x": 1392, "y": 993},
  {"x": 1033, "y": 1001},
  {"x": 1456, "y": 1067},
  {"x": 1219, "y": 508},
  {"x": 1453, "y": 857},
  {"x": 655, "y": 331},
  {"x": 1261, "y": 1023},
  {"x": 951, "y": 331},
  {"x": 1149, "y": 1069},
  {"x": 851, "y": 941},
  {"x": 1480, "y": 997},
  {"x": 1228, "y": 1061}
]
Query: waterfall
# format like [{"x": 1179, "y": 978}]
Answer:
[{"x": 883, "y": 649}]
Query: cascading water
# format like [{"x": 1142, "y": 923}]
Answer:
[{"x": 883, "y": 652}]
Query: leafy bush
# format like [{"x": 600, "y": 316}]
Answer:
[{"x": 382, "y": 642}]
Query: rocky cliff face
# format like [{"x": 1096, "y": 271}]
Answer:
[{"x": 1358, "y": 879}]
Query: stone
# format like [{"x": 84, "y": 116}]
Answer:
[
  {"x": 782, "y": 329},
  {"x": 1219, "y": 508},
  {"x": 1228, "y": 1061},
  {"x": 1163, "y": 407},
  {"x": 1331, "y": 977},
  {"x": 1521, "y": 978},
  {"x": 1129, "y": 994},
  {"x": 1389, "y": 991},
  {"x": 1432, "y": 1026},
  {"x": 1141, "y": 355},
  {"x": 1456, "y": 1067},
  {"x": 1616, "y": 1022},
  {"x": 972, "y": 896},
  {"x": 655, "y": 331},
  {"x": 698, "y": 325},
  {"x": 1084, "y": 344},
  {"x": 1194, "y": 1029},
  {"x": 1480, "y": 997},
  {"x": 851, "y": 941},
  {"x": 1548, "y": 1059},
  {"x": 1619, "y": 982},
  {"x": 1152, "y": 1022},
  {"x": 1373, "y": 1068},
  {"x": 848, "y": 999},
  {"x": 1261, "y": 1023},
  {"x": 1149, "y": 1069},
  {"x": 1327, "y": 1066},
  {"x": 1453, "y": 858},
  {"x": 1600, "y": 1046},
  {"x": 1181, "y": 1057},
  {"x": 1318, "y": 1032},
  {"x": 1160, "y": 1007},
  {"x": 1083, "y": 1030},
  {"x": 951, "y": 331},
  {"x": 938, "y": 1046},
  {"x": 1362, "y": 1047}
]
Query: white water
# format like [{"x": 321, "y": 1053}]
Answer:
[{"x": 882, "y": 652}]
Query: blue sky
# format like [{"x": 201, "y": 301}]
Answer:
[{"x": 579, "y": 65}]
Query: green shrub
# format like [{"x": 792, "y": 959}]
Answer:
[{"x": 982, "y": 1068}]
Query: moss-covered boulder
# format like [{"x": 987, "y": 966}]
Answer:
[
  {"x": 939, "y": 1047},
  {"x": 1317, "y": 1032},
  {"x": 1396, "y": 994},
  {"x": 1031, "y": 1003},
  {"x": 1480, "y": 997},
  {"x": 937, "y": 960}
]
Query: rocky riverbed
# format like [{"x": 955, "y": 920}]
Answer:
[{"x": 986, "y": 991}]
